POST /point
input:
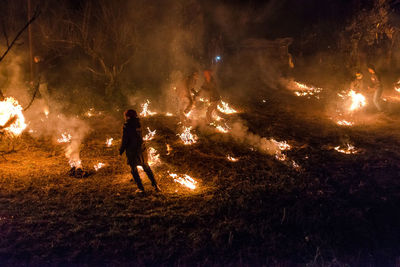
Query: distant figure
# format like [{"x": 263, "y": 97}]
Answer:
[
  {"x": 376, "y": 86},
  {"x": 357, "y": 84},
  {"x": 210, "y": 88},
  {"x": 41, "y": 79},
  {"x": 132, "y": 144},
  {"x": 185, "y": 91}
]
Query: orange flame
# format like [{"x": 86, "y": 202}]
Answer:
[
  {"x": 11, "y": 113},
  {"x": 145, "y": 110},
  {"x": 187, "y": 137},
  {"x": 185, "y": 180}
]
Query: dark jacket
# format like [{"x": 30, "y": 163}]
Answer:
[{"x": 132, "y": 143}]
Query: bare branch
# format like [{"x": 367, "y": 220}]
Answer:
[{"x": 35, "y": 15}]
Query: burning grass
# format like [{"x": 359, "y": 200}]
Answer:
[{"x": 315, "y": 207}]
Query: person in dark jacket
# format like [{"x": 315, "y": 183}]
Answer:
[{"x": 132, "y": 144}]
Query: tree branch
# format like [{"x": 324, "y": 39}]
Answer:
[{"x": 35, "y": 15}]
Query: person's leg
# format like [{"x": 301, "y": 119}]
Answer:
[
  {"x": 150, "y": 174},
  {"x": 377, "y": 98},
  {"x": 136, "y": 176}
]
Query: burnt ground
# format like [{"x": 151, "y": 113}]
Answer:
[{"x": 335, "y": 209}]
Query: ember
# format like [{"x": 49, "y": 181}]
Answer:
[
  {"x": 305, "y": 90},
  {"x": 348, "y": 149},
  {"x": 154, "y": 157},
  {"x": 185, "y": 180},
  {"x": 145, "y": 110},
  {"x": 187, "y": 137},
  {"x": 109, "y": 142},
  {"x": 345, "y": 123},
  {"x": 98, "y": 166},
  {"x": 230, "y": 158},
  {"x": 11, "y": 117}
]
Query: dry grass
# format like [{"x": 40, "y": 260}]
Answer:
[{"x": 337, "y": 209}]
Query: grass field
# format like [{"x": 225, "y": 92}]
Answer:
[{"x": 334, "y": 209}]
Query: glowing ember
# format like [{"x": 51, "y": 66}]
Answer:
[
  {"x": 349, "y": 149},
  {"x": 98, "y": 166},
  {"x": 397, "y": 86},
  {"x": 169, "y": 114},
  {"x": 224, "y": 108},
  {"x": 109, "y": 142},
  {"x": 305, "y": 90},
  {"x": 145, "y": 110},
  {"x": 204, "y": 100},
  {"x": 75, "y": 163},
  {"x": 345, "y": 123},
  {"x": 187, "y": 137},
  {"x": 169, "y": 149},
  {"x": 46, "y": 112},
  {"x": 222, "y": 129},
  {"x": 185, "y": 180},
  {"x": 92, "y": 112},
  {"x": 281, "y": 157},
  {"x": 281, "y": 145},
  {"x": 11, "y": 117},
  {"x": 230, "y": 158},
  {"x": 154, "y": 157},
  {"x": 150, "y": 135},
  {"x": 357, "y": 100},
  {"x": 65, "y": 138}
]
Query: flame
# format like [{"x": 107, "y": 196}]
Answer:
[
  {"x": 357, "y": 100},
  {"x": 154, "y": 157},
  {"x": 187, "y": 137},
  {"x": 46, "y": 112},
  {"x": 65, "y": 138},
  {"x": 185, "y": 180},
  {"x": 92, "y": 112},
  {"x": 169, "y": 114},
  {"x": 145, "y": 110},
  {"x": 169, "y": 149},
  {"x": 281, "y": 157},
  {"x": 75, "y": 163},
  {"x": 221, "y": 129},
  {"x": 345, "y": 123},
  {"x": 187, "y": 115},
  {"x": 225, "y": 108},
  {"x": 230, "y": 158},
  {"x": 98, "y": 166},
  {"x": 150, "y": 135},
  {"x": 349, "y": 149},
  {"x": 397, "y": 86},
  {"x": 109, "y": 142},
  {"x": 204, "y": 100},
  {"x": 11, "y": 113},
  {"x": 305, "y": 90},
  {"x": 283, "y": 145}
]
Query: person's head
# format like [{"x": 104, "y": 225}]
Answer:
[
  {"x": 359, "y": 75},
  {"x": 130, "y": 114},
  {"x": 371, "y": 69},
  {"x": 37, "y": 59},
  {"x": 207, "y": 75}
]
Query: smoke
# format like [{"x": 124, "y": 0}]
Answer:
[{"x": 241, "y": 133}]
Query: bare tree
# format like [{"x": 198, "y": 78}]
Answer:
[{"x": 101, "y": 30}]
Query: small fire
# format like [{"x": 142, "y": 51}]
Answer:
[
  {"x": 75, "y": 163},
  {"x": 109, "y": 142},
  {"x": 154, "y": 157},
  {"x": 348, "y": 149},
  {"x": 345, "y": 123},
  {"x": 225, "y": 108},
  {"x": 187, "y": 115},
  {"x": 11, "y": 117},
  {"x": 357, "y": 100},
  {"x": 150, "y": 135},
  {"x": 145, "y": 110},
  {"x": 185, "y": 180},
  {"x": 65, "y": 138},
  {"x": 222, "y": 129},
  {"x": 98, "y": 166},
  {"x": 204, "y": 100},
  {"x": 46, "y": 112},
  {"x": 230, "y": 158},
  {"x": 283, "y": 145},
  {"x": 169, "y": 149},
  {"x": 281, "y": 157},
  {"x": 92, "y": 112},
  {"x": 168, "y": 114},
  {"x": 305, "y": 90},
  {"x": 187, "y": 137}
]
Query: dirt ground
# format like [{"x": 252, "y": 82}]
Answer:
[{"x": 332, "y": 209}]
